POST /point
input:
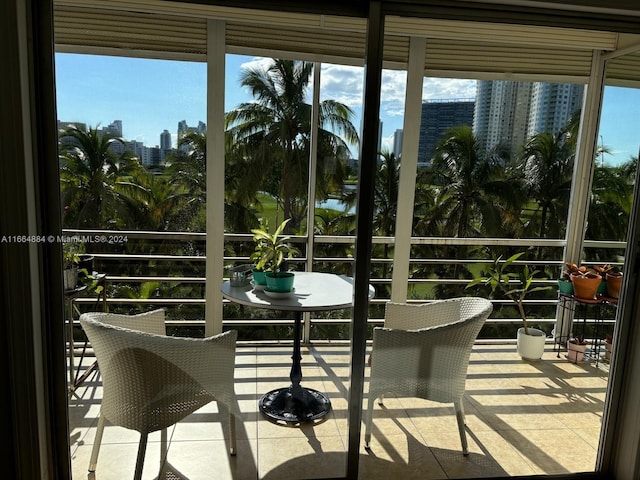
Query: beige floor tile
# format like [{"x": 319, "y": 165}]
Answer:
[
  {"x": 116, "y": 461},
  {"x": 282, "y": 458},
  {"x": 210, "y": 459},
  {"x": 447, "y": 449},
  {"x": 205, "y": 424},
  {"x": 553, "y": 451},
  {"x": 576, "y": 420},
  {"x": 497, "y": 454},
  {"x": 399, "y": 456},
  {"x": 498, "y": 398},
  {"x": 589, "y": 435},
  {"x": 523, "y": 418},
  {"x": 390, "y": 420},
  {"x": 441, "y": 416}
]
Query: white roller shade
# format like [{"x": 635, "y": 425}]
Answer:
[{"x": 175, "y": 30}]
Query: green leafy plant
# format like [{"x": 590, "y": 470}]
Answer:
[
  {"x": 514, "y": 285},
  {"x": 271, "y": 249},
  {"x": 70, "y": 255},
  {"x": 578, "y": 340}
]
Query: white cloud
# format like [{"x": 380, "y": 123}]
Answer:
[
  {"x": 342, "y": 83},
  {"x": 448, "y": 89},
  {"x": 387, "y": 143}
]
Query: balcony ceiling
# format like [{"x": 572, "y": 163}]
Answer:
[{"x": 455, "y": 48}]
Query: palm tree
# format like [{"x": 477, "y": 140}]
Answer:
[
  {"x": 189, "y": 170},
  {"x": 611, "y": 201},
  {"x": 474, "y": 196},
  {"x": 94, "y": 178},
  {"x": 385, "y": 195},
  {"x": 275, "y": 131},
  {"x": 548, "y": 167},
  {"x": 156, "y": 203}
]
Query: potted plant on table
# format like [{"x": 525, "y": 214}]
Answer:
[
  {"x": 613, "y": 279},
  {"x": 71, "y": 259},
  {"x": 271, "y": 251},
  {"x": 576, "y": 346},
  {"x": 565, "y": 286},
  {"x": 603, "y": 271},
  {"x": 586, "y": 281},
  {"x": 516, "y": 286}
]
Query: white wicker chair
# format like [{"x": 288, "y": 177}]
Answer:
[
  {"x": 423, "y": 351},
  {"x": 152, "y": 381}
]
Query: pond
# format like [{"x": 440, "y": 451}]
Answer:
[{"x": 335, "y": 204}]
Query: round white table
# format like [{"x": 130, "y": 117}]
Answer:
[{"x": 313, "y": 292}]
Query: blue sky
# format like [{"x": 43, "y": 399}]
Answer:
[{"x": 152, "y": 95}]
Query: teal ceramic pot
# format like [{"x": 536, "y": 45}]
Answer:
[
  {"x": 602, "y": 289},
  {"x": 259, "y": 277},
  {"x": 565, "y": 286},
  {"x": 280, "y": 282}
]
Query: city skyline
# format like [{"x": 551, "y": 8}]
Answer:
[{"x": 151, "y": 96}]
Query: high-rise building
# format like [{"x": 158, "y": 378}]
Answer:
[
  {"x": 138, "y": 149},
  {"x": 552, "y": 106},
  {"x": 114, "y": 129},
  {"x": 154, "y": 155},
  {"x": 165, "y": 140},
  {"x": 183, "y": 129},
  {"x": 438, "y": 116},
  {"x": 165, "y": 145},
  {"x": 501, "y": 113},
  {"x": 509, "y": 113},
  {"x": 64, "y": 125},
  {"x": 397, "y": 142}
]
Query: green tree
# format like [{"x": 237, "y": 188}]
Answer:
[
  {"x": 611, "y": 201},
  {"x": 275, "y": 132},
  {"x": 473, "y": 197},
  {"x": 548, "y": 167},
  {"x": 188, "y": 169},
  {"x": 94, "y": 180},
  {"x": 156, "y": 203}
]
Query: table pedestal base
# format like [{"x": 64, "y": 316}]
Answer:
[{"x": 295, "y": 404}]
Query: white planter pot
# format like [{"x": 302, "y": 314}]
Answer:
[
  {"x": 70, "y": 278},
  {"x": 531, "y": 345}
]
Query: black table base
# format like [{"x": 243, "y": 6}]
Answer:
[{"x": 295, "y": 404}]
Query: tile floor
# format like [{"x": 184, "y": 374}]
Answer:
[{"x": 523, "y": 418}]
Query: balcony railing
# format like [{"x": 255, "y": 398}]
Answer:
[{"x": 142, "y": 274}]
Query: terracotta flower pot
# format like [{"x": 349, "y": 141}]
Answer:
[
  {"x": 586, "y": 286},
  {"x": 614, "y": 282}
]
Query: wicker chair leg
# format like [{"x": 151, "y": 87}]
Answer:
[
  {"x": 368, "y": 423},
  {"x": 142, "y": 449},
  {"x": 461, "y": 426},
  {"x": 93, "y": 462},
  {"x": 164, "y": 448},
  {"x": 232, "y": 434}
]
